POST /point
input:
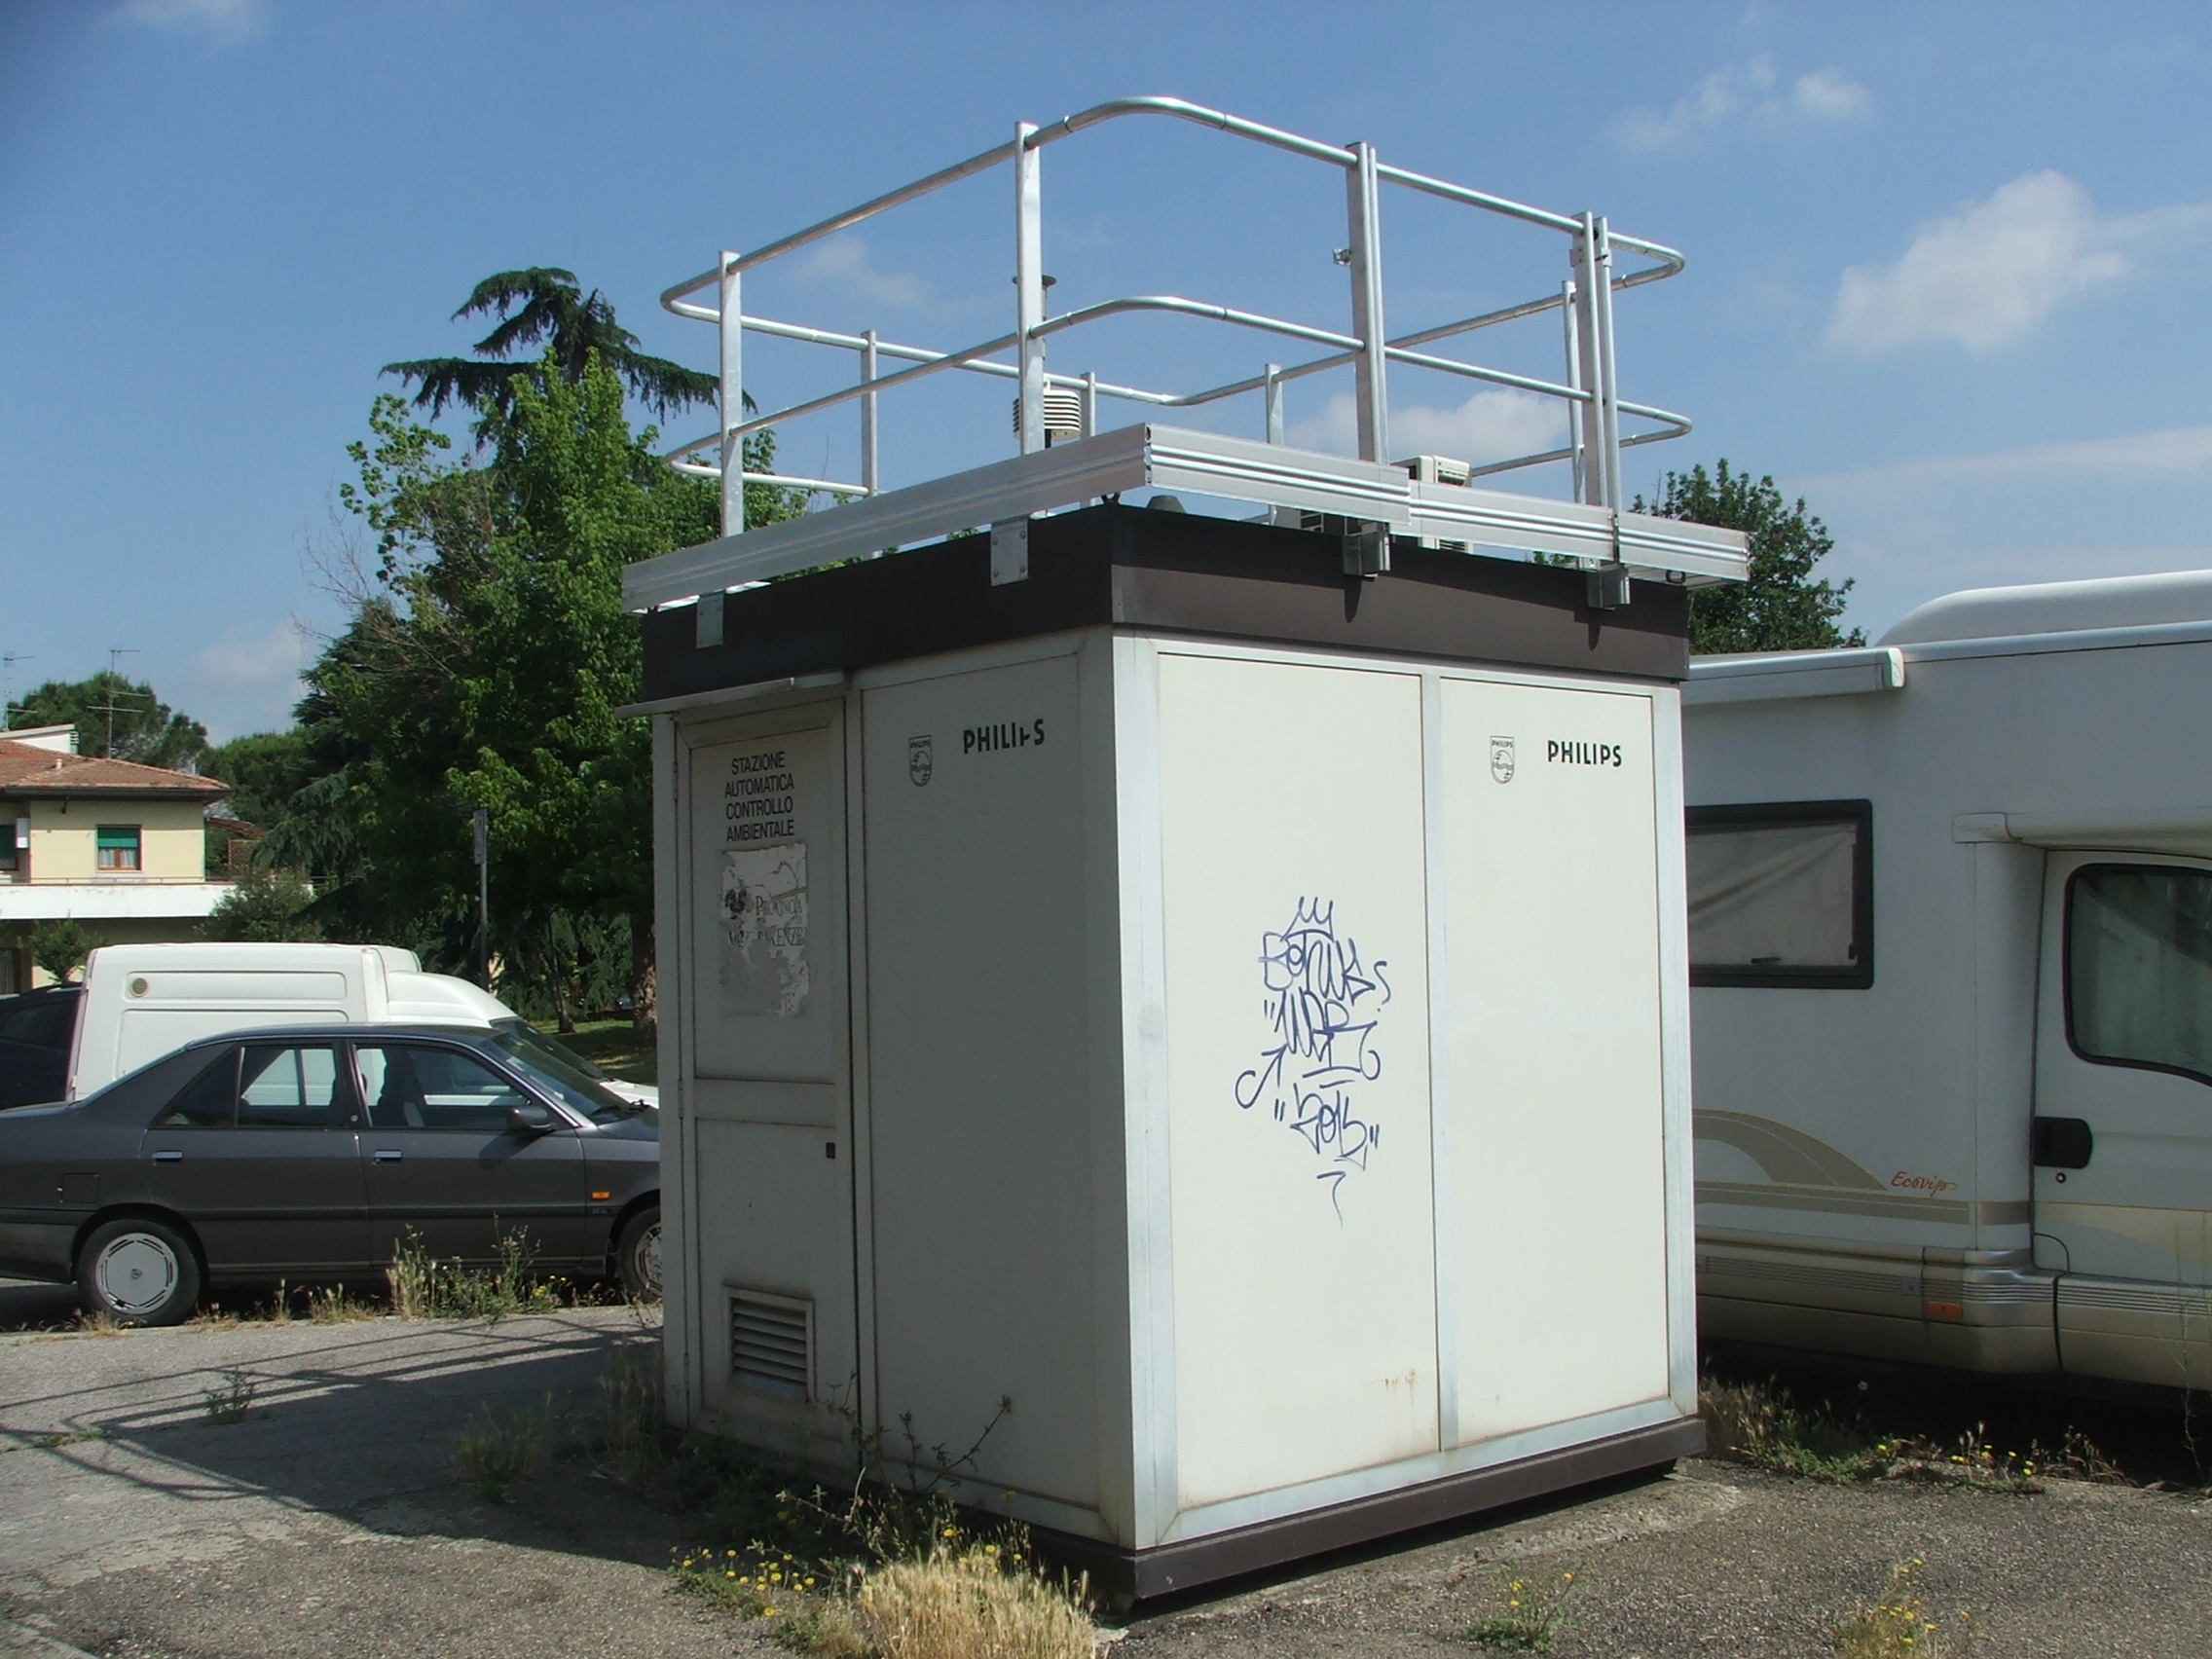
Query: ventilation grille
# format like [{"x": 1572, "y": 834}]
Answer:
[{"x": 771, "y": 1344}]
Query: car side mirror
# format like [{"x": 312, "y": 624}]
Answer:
[{"x": 531, "y": 1118}]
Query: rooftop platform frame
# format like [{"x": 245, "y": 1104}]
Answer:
[{"x": 1369, "y": 493}]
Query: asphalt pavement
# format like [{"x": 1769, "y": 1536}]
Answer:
[{"x": 333, "y": 1521}]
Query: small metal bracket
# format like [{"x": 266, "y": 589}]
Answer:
[
  {"x": 708, "y": 620},
  {"x": 1367, "y": 551},
  {"x": 1608, "y": 586},
  {"x": 1010, "y": 551}
]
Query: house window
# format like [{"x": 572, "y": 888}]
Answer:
[
  {"x": 118, "y": 846},
  {"x": 1782, "y": 894},
  {"x": 15, "y": 842}
]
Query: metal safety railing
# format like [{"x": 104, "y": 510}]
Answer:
[{"x": 1589, "y": 391}]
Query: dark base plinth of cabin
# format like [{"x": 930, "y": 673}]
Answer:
[
  {"x": 1125, "y": 1576},
  {"x": 1166, "y": 573}
]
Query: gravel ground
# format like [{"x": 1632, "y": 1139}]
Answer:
[{"x": 332, "y": 1522}]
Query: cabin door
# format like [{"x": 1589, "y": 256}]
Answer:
[{"x": 2123, "y": 1133}]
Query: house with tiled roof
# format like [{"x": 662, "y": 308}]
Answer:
[{"x": 120, "y": 847}]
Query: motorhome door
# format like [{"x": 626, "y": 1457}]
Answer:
[{"x": 2122, "y": 1131}]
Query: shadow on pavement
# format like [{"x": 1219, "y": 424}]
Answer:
[{"x": 356, "y": 1421}]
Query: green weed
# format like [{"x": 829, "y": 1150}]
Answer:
[
  {"x": 499, "y": 1448},
  {"x": 423, "y": 1287},
  {"x": 1900, "y": 1626},
  {"x": 229, "y": 1403},
  {"x": 1531, "y": 1613}
]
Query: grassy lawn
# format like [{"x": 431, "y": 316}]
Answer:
[{"x": 611, "y": 1047}]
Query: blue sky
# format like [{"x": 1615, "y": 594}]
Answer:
[{"x": 1944, "y": 261}]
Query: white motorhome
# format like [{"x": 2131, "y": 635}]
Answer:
[
  {"x": 144, "y": 1001},
  {"x": 1951, "y": 939}
]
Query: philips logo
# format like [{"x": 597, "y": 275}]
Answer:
[{"x": 1583, "y": 753}]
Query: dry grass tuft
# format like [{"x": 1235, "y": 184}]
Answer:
[
  {"x": 1899, "y": 1626},
  {"x": 955, "y": 1606},
  {"x": 335, "y": 1307}
]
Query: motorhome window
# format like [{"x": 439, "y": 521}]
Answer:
[
  {"x": 1781, "y": 895},
  {"x": 118, "y": 846},
  {"x": 2139, "y": 967}
]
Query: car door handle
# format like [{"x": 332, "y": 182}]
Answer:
[
  {"x": 388, "y": 1155},
  {"x": 169, "y": 1158}
]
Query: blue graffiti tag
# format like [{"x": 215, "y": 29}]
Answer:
[{"x": 1321, "y": 1005}]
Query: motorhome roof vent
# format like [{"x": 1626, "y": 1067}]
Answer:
[{"x": 2058, "y": 607}]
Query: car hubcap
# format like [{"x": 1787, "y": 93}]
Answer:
[
  {"x": 648, "y": 1258},
  {"x": 137, "y": 1273}
]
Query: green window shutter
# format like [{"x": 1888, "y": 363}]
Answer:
[{"x": 118, "y": 845}]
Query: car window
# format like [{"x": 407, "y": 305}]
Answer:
[
  {"x": 208, "y": 1101},
  {"x": 42, "y": 1026},
  {"x": 287, "y": 1086},
  {"x": 558, "y": 1071},
  {"x": 411, "y": 1085}
]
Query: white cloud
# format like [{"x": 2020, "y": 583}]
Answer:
[
  {"x": 246, "y": 681},
  {"x": 1930, "y": 525},
  {"x": 1491, "y": 425},
  {"x": 1993, "y": 271},
  {"x": 224, "y": 22},
  {"x": 2176, "y": 454},
  {"x": 246, "y": 657},
  {"x": 845, "y": 260},
  {"x": 1829, "y": 95},
  {"x": 1753, "y": 92}
]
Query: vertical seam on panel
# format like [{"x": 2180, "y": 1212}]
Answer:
[{"x": 1443, "y": 1190}]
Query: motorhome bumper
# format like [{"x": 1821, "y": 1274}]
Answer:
[{"x": 1985, "y": 1316}]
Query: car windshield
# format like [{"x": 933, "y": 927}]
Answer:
[
  {"x": 566, "y": 1077},
  {"x": 552, "y": 1051}
]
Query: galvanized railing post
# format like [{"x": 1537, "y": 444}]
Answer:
[
  {"x": 732, "y": 399},
  {"x": 1275, "y": 403},
  {"x": 1029, "y": 281},
  {"x": 1089, "y": 405},
  {"x": 1578, "y": 454},
  {"x": 1591, "y": 442},
  {"x": 1607, "y": 383},
  {"x": 870, "y": 483},
  {"x": 1370, "y": 368}
]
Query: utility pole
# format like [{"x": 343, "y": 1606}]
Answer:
[{"x": 483, "y": 898}]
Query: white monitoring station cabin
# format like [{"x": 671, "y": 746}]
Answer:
[
  {"x": 1951, "y": 933},
  {"x": 1216, "y": 981}
]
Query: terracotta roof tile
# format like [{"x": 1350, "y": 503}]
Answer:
[{"x": 28, "y": 771}]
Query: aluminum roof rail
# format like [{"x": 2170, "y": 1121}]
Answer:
[{"x": 1593, "y": 529}]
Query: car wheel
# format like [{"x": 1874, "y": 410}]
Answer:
[
  {"x": 138, "y": 1271},
  {"x": 637, "y": 1254}
]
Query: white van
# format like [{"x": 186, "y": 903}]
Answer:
[
  {"x": 144, "y": 1001},
  {"x": 1951, "y": 957}
]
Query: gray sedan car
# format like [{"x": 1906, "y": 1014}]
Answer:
[{"x": 310, "y": 1153}]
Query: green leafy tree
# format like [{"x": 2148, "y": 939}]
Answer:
[
  {"x": 265, "y": 906},
  {"x": 546, "y": 318},
  {"x": 144, "y": 728},
  {"x": 484, "y": 668},
  {"x": 264, "y": 770},
  {"x": 1784, "y": 606},
  {"x": 61, "y": 946}
]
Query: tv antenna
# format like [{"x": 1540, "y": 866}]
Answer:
[
  {"x": 8, "y": 661},
  {"x": 115, "y": 656}
]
